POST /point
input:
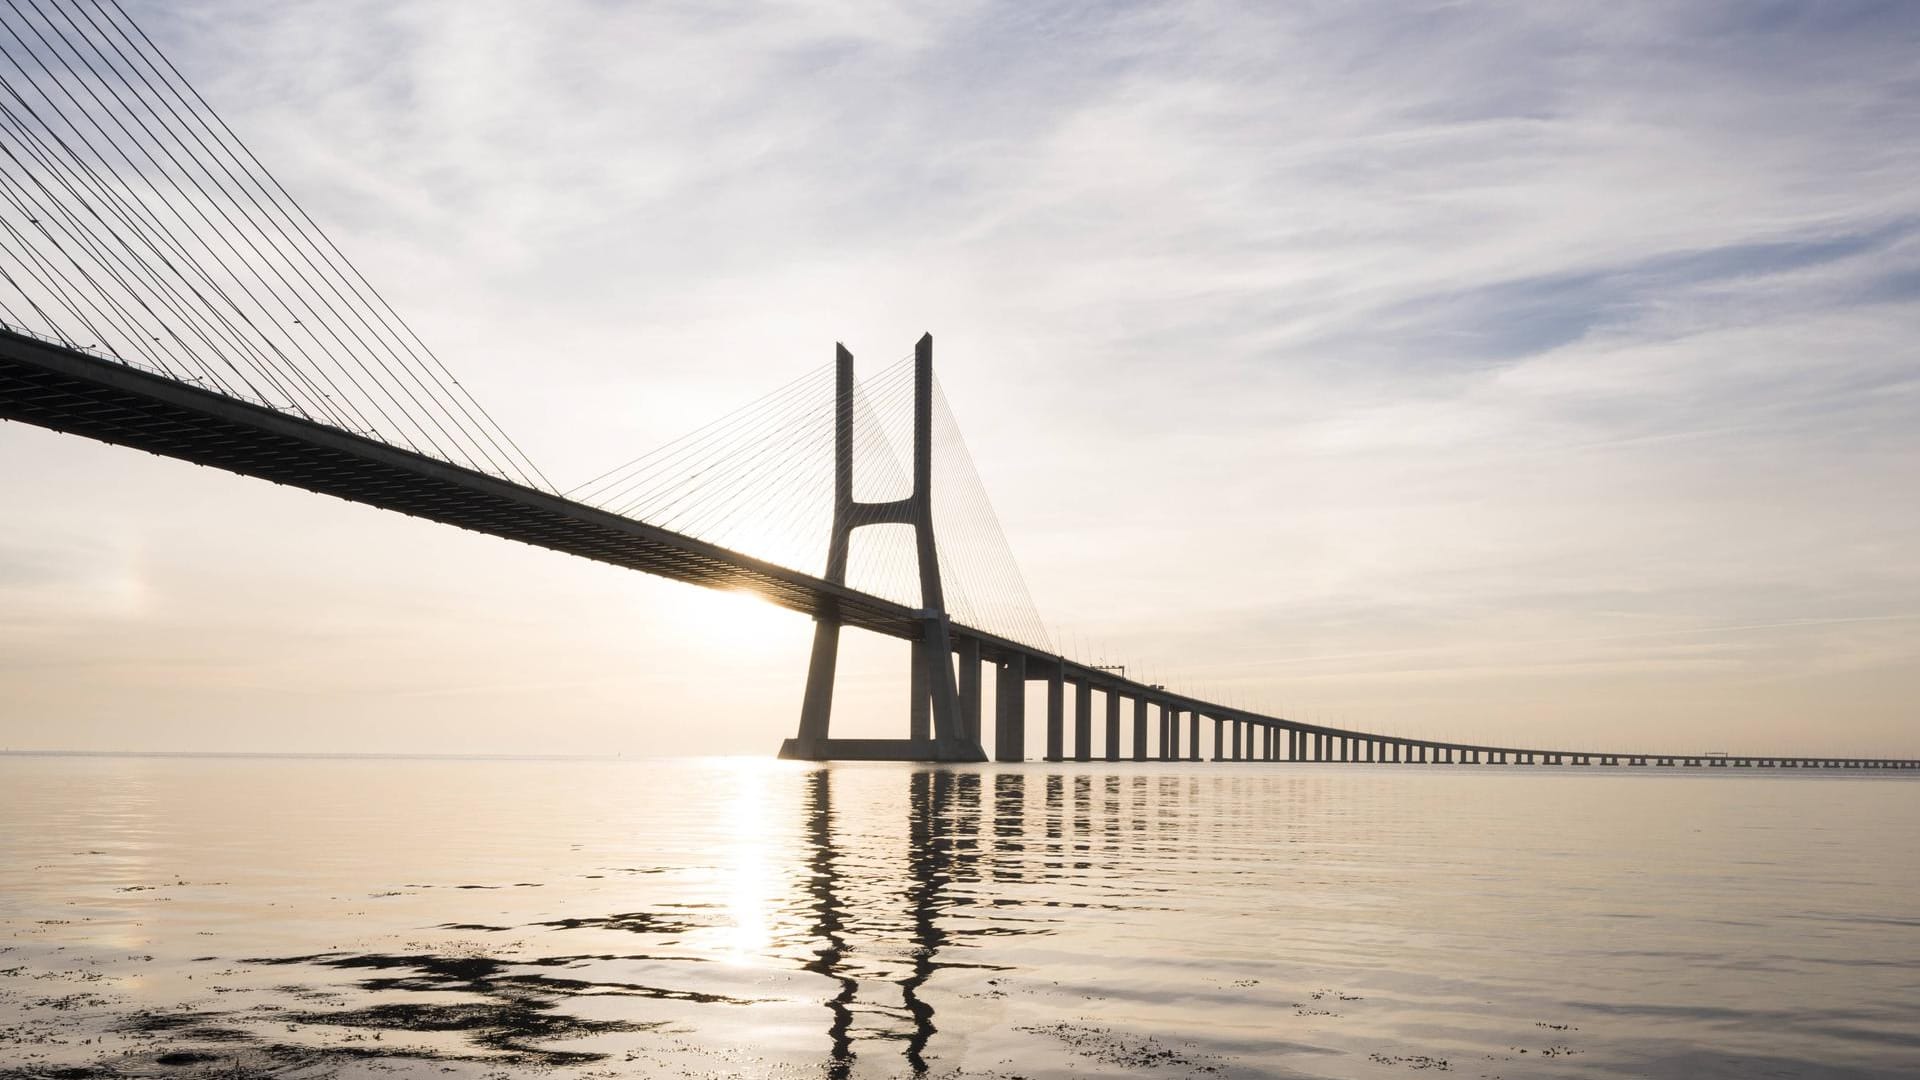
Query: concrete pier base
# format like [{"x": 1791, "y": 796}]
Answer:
[{"x": 878, "y": 750}]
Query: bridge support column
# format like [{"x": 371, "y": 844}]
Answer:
[
  {"x": 967, "y": 653},
  {"x": 1010, "y": 712},
  {"x": 816, "y": 707},
  {"x": 1082, "y": 721},
  {"x": 919, "y": 699},
  {"x": 1193, "y": 736},
  {"x": 1139, "y": 729},
  {"x": 1056, "y": 707},
  {"x": 1113, "y": 724}
]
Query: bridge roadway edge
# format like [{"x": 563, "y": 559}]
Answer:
[{"x": 62, "y": 389}]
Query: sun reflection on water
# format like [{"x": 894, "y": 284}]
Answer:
[{"x": 747, "y": 863}]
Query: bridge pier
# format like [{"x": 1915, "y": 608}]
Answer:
[
  {"x": 1056, "y": 707},
  {"x": 1113, "y": 723},
  {"x": 919, "y": 700},
  {"x": 1139, "y": 728},
  {"x": 967, "y": 690},
  {"x": 1082, "y": 721},
  {"x": 1193, "y": 735},
  {"x": 1010, "y": 713},
  {"x": 1218, "y": 734}
]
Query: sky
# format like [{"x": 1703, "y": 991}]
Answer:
[{"x": 1524, "y": 373}]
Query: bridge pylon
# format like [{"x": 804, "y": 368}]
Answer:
[{"x": 936, "y": 731}]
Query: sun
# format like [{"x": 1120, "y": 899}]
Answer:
[{"x": 739, "y": 621}]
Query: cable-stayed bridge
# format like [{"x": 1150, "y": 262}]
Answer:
[{"x": 161, "y": 290}]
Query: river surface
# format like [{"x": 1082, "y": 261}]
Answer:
[{"x": 240, "y": 917}]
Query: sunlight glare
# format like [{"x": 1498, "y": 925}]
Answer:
[
  {"x": 738, "y": 621},
  {"x": 748, "y": 860}
]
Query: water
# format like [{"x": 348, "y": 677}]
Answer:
[{"x": 450, "y": 918}]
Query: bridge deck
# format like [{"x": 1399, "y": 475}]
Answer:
[{"x": 74, "y": 392}]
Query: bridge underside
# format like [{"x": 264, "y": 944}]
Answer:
[{"x": 69, "y": 391}]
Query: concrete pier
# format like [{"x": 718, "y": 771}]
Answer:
[
  {"x": 1010, "y": 712},
  {"x": 919, "y": 699},
  {"x": 1056, "y": 714},
  {"x": 1113, "y": 723},
  {"x": 967, "y": 686},
  {"x": 1082, "y": 721},
  {"x": 1139, "y": 728}
]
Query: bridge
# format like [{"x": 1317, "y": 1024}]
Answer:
[{"x": 160, "y": 290}]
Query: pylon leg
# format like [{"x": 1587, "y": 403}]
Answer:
[{"x": 816, "y": 708}]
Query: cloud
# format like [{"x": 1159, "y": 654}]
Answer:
[{"x": 1277, "y": 330}]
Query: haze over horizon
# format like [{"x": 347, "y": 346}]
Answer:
[{"x": 1463, "y": 371}]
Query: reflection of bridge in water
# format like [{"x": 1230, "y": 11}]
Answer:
[
  {"x": 958, "y": 833},
  {"x": 942, "y": 805},
  {"x": 164, "y": 292}
]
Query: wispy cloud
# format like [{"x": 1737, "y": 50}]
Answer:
[{"x": 1278, "y": 329}]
